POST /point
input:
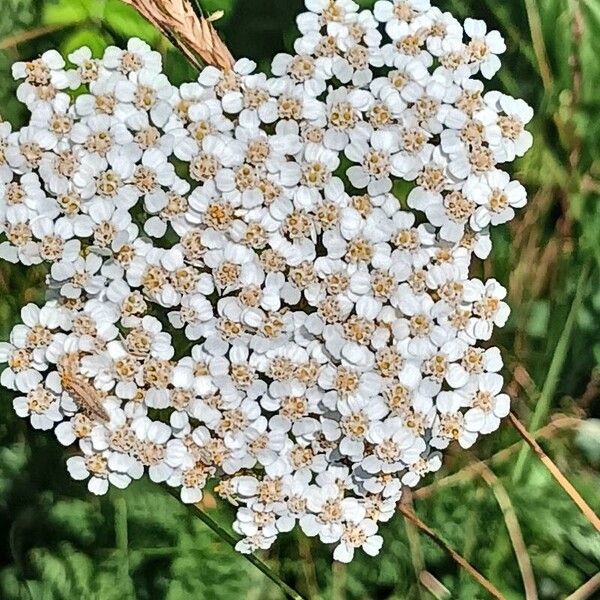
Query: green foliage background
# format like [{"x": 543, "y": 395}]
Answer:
[{"x": 59, "y": 543}]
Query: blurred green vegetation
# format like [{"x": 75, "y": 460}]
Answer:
[{"x": 58, "y": 542}]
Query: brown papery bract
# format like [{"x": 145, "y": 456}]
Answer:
[{"x": 192, "y": 34}]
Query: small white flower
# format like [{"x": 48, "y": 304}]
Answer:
[
  {"x": 488, "y": 308},
  {"x": 484, "y": 47},
  {"x": 78, "y": 276},
  {"x": 487, "y": 404},
  {"x": 378, "y": 159},
  {"x": 40, "y": 405},
  {"x": 506, "y": 132},
  {"x": 138, "y": 56},
  {"x": 496, "y": 196},
  {"x": 397, "y": 13},
  {"x": 147, "y": 91},
  {"x": 358, "y": 532}
]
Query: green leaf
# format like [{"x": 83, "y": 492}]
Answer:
[
  {"x": 537, "y": 326},
  {"x": 64, "y": 11},
  {"x": 125, "y": 21},
  {"x": 179, "y": 69},
  {"x": 597, "y": 353},
  {"x": 92, "y": 38}
]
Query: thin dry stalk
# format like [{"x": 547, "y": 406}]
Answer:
[
  {"x": 514, "y": 531},
  {"x": 587, "y": 590},
  {"x": 539, "y": 44},
  {"x": 577, "y": 27},
  {"x": 469, "y": 568},
  {"x": 559, "y": 356},
  {"x": 592, "y": 390},
  {"x": 308, "y": 566},
  {"x": 338, "y": 581},
  {"x": 434, "y": 586},
  {"x": 32, "y": 34},
  {"x": 192, "y": 34},
  {"x": 583, "y": 506},
  {"x": 473, "y": 470},
  {"x": 414, "y": 544}
]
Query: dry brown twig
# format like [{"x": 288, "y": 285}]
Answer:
[
  {"x": 192, "y": 34},
  {"x": 32, "y": 34},
  {"x": 468, "y": 567},
  {"x": 583, "y": 506},
  {"x": 416, "y": 551},
  {"x": 587, "y": 590},
  {"x": 474, "y": 469},
  {"x": 514, "y": 531},
  {"x": 434, "y": 586}
]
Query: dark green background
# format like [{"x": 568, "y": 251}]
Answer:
[{"x": 58, "y": 542}]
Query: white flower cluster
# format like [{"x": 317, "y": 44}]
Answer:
[{"x": 242, "y": 291}]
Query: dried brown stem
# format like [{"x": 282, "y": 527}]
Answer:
[
  {"x": 539, "y": 44},
  {"x": 469, "y": 568},
  {"x": 473, "y": 470},
  {"x": 587, "y": 590},
  {"x": 514, "y": 532},
  {"x": 592, "y": 389},
  {"x": 32, "y": 34},
  {"x": 192, "y": 34},
  {"x": 583, "y": 506},
  {"x": 338, "y": 581},
  {"x": 414, "y": 544},
  {"x": 308, "y": 566},
  {"x": 434, "y": 586},
  {"x": 577, "y": 26}
]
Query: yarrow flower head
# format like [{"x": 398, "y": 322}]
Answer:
[{"x": 333, "y": 337}]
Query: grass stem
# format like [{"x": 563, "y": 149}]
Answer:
[
  {"x": 32, "y": 34},
  {"x": 468, "y": 567},
  {"x": 473, "y": 470},
  {"x": 583, "y": 506},
  {"x": 232, "y": 541},
  {"x": 514, "y": 532},
  {"x": 121, "y": 529},
  {"x": 122, "y": 539},
  {"x": 338, "y": 581},
  {"x": 414, "y": 544},
  {"x": 548, "y": 392},
  {"x": 539, "y": 44},
  {"x": 587, "y": 590}
]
